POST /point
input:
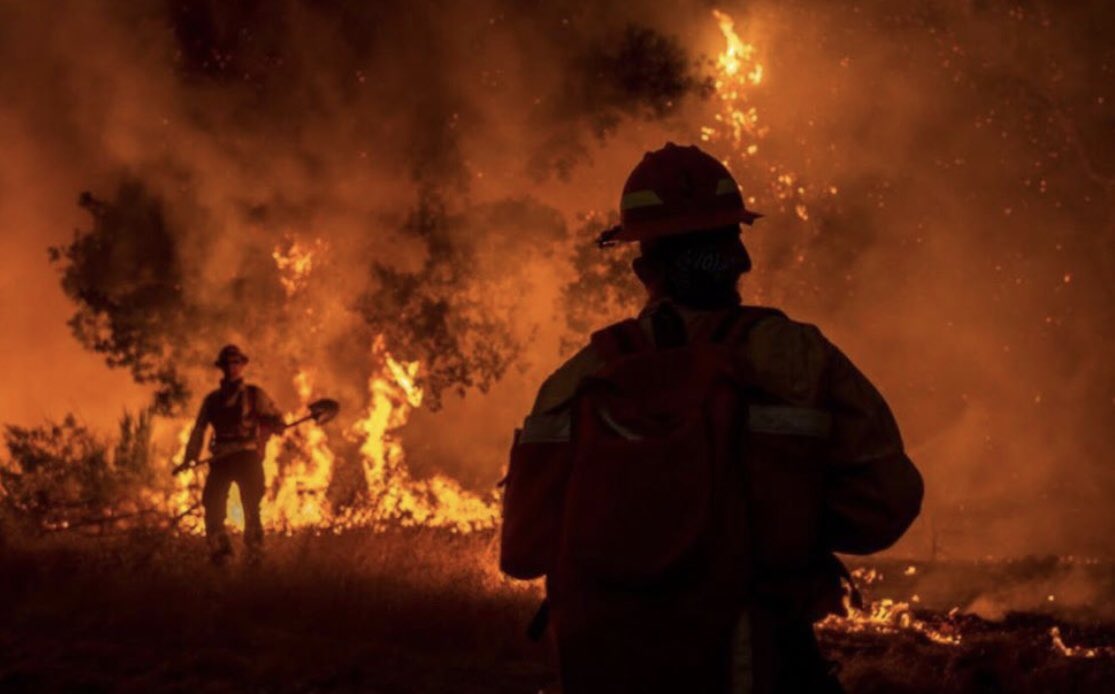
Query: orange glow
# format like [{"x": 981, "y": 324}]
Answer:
[
  {"x": 1077, "y": 651},
  {"x": 887, "y": 616},
  {"x": 736, "y": 122},
  {"x": 393, "y": 496},
  {"x": 299, "y": 466},
  {"x": 737, "y": 71},
  {"x": 296, "y": 263}
]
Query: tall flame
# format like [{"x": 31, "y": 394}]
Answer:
[
  {"x": 299, "y": 467},
  {"x": 394, "y": 496},
  {"x": 296, "y": 496}
]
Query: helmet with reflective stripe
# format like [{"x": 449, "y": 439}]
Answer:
[{"x": 677, "y": 190}]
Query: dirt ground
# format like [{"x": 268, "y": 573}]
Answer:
[{"x": 424, "y": 611}]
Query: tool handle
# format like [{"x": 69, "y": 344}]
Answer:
[
  {"x": 298, "y": 421},
  {"x": 188, "y": 465}
]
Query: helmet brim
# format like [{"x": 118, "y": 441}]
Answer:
[
  {"x": 221, "y": 363},
  {"x": 650, "y": 230}
]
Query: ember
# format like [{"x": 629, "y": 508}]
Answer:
[
  {"x": 1078, "y": 651},
  {"x": 886, "y": 616}
]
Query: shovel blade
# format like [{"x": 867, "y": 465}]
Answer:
[{"x": 324, "y": 410}]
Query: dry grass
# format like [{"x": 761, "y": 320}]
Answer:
[
  {"x": 405, "y": 612},
  {"x": 408, "y": 611}
]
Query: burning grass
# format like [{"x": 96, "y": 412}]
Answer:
[
  {"x": 985, "y": 626},
  {"x": 421, "y": 610}
]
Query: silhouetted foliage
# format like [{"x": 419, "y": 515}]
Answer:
[
  {"x": 603, "y": 286},
  {"x": 125, "y": 276},
  {"x": 641, "y": 73},
  {"x": 635, "y": 72},
  {"x": 62, "y": 475},
  {"x": 443, "y": 313}
]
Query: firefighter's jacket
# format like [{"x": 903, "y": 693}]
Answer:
[
  {"x": 242, "y": 416},
  {"x": 867, "y": 493}
]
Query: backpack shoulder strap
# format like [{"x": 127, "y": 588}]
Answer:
[
  {"x": 737, "y": 325},
  {"x": 251, "y": 401},
  {"x": 620, "y": 340}
]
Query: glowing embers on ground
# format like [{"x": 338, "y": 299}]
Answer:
[
  {"x": 894, "y": 617},
  {"x": 887, "y": 616},
  {"x": 1078, "y": 651}
]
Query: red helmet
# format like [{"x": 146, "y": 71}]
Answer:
[{"x": 675, "y": 190}]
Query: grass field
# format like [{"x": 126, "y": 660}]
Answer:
[{"x": 424, "y": 611}]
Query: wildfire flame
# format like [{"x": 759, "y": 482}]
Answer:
[
  {"x": 394, "y": 496},
  {"x": 738, "y": 72},
  {"x": 887, "y": 616},
  {"x": 299, "y": 467},
  {"x": 295, "y": 263},
  {"x": 296, "y": 493}
]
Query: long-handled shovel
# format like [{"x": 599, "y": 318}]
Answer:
[{"x": 321, "y": 411}]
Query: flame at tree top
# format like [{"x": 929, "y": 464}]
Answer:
[
  {"x": 738, "y": 70},
  {"x": 738, "y": 73}
]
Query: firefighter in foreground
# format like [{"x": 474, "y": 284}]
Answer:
[
  {"x": 243, "y": 418},
  {"x": 684, "y": 480}
]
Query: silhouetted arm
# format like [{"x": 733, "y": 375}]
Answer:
[
  {"x": 266, "y": 412},
  {"x": 534, "y": 489},
  {"x": 197, "y": 435},
  {"x": 873, "y": 492}
]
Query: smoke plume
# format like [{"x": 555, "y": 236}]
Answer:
[{"x": 309, "y": 179}]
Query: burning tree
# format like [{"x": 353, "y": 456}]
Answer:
[{"x": 447, "y": 319}]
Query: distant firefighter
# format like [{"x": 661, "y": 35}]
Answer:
[
  {"x": 684, "y": 480},
  {"x": 242, "y": 417}
]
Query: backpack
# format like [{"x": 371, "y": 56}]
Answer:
[{"x": 655, "y": 494}]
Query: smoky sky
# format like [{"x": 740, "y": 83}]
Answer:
[{"x": 938, "y": 181}]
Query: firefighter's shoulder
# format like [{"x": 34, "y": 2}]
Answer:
[
  {"x": 259, "y": 396},
  {"x": 558, "y": 389},
  {"x": 789, "y": 356}
]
